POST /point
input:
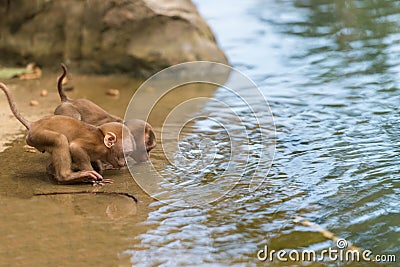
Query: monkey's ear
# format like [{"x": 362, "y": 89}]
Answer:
[
  {"x": 150, "y": 140},
  {"x": 110, "y": 139}
]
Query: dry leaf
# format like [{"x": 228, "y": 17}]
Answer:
[{"x": 37, "y": 72}]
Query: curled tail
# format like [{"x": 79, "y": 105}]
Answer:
[
  {"x": 13, "y": 107},
  {"x": 63, "y": 96}
]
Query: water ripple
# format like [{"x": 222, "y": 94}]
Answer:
[{"x": 330, "y": 72}]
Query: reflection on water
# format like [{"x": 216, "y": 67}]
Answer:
[
  {"x": 204, "y": 165},
  {"x": 330, "y": 72}
]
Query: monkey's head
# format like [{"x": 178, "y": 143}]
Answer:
[
  {"x": 145, "y": 139},
  {"x": 118, "y": 141}
]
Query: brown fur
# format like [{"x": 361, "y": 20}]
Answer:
[
  {"x": 87, "y": 111},
  {"x": 69, "y": 140}
]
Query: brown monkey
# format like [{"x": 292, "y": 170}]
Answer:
[
  {"x": 87, "y": 111},
  {"x": 69, "y": 140}
]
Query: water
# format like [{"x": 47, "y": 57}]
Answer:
[{"x": 330, "y": 71}]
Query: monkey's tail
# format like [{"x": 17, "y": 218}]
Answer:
[
  {"x": 13, "y": 107},
  {"x": 61, "y": 92}
]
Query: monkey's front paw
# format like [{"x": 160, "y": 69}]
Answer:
[
  {"x": 93, "y": 175},
  {"x": 102, "y": 182}
]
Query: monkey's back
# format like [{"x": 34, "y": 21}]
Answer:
[
  {"x": 92, "y": 113},
  {"x": 71, "y": 128}
]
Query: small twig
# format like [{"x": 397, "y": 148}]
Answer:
[
  {"x": 87, "y": 192},
  {"x": 324, "y": 232}
]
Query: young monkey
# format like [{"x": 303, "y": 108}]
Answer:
[
  {"x": 69, "y": 140},
  {"x": 87, "y": 111}
]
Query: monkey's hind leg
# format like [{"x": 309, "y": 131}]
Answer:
[{"x": 57, "y": 145}]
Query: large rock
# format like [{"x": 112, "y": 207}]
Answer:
[{"x": 139, "y": 37}]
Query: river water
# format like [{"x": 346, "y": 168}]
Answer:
[{"x": 330, "y": 72}]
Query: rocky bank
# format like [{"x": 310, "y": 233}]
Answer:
[{"x": 138, "y": 37}]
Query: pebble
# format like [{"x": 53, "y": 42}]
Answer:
[
  {"x": 44, "y": 92},
  {"x": 34, "y": 103},
  {"x": 113, "y": 92},
  {"x": 29, "y": 149}
]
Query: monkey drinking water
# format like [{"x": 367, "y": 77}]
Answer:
[
  {"x": 69, "y": 140},
  {"x": 87, "y": 111}
]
